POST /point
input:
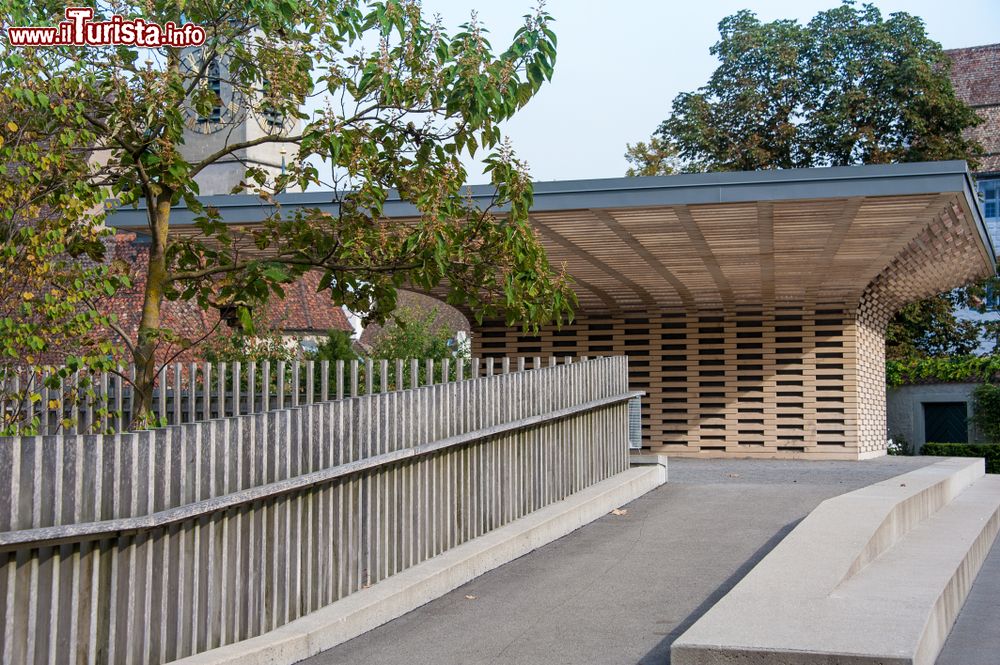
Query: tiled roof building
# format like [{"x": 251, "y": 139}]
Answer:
[{"x": 303, "y": 311}]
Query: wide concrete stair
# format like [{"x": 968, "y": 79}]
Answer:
[{"x": 874, "y": 576}]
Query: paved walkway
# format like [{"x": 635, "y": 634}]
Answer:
[
  {"x": 975, "y": 637},
  {"x": 621, "y": 589}
]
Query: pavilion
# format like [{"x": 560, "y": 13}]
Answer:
[{"x": 752, "y": 306}]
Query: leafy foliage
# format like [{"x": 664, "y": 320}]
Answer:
[
  {"x": 337, "y": 346},
  {"x": 986, "y": 410},
  {"x": 658, "y": 157},
  {"x": 398, "y": 118},
  {"x": 929, "y": 328},
  {"x": 262, "y": 346},
  {"x": 941, "y": 369},
  {"x": 413, "y": 334},
  {"x": 989, "y": 451},
  {"x": 51, "y": 281},
  {"x": 849, "y": 87}
]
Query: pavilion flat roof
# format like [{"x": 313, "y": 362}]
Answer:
[{"x": 705, "y": 239}]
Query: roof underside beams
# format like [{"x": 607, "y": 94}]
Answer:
[
  {"x": 723, "y": 240},
  {"x": 768, "y": 253}
]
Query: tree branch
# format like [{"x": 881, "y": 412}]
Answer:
[
  {"x": 312, "y": 263},
  {"x": 219, "y": 154}
]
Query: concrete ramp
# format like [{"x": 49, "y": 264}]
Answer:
[{"x": 874, "y": 576}]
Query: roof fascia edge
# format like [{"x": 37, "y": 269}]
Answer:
[
  {"x": 979, "y": 219},
  {"x": 686, "y": 189}
]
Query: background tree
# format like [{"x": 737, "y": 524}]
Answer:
[
  {"x": 849, "y": 87},
  {"x": 929, "y": 328},
  {"x": 747, "y": 116},
  {"x": 414, "y": 334},
  {"x": 399, "y": 115},
  {"x": 658, "y": 157}
]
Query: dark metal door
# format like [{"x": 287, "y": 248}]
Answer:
[{"x": 945, "y": 422}]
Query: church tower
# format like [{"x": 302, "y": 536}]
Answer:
[{"x": 234, "y": 119}]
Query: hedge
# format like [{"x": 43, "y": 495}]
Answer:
[
  {"x": 991, "y": 451},
  {"x": 937, "y": 370}
]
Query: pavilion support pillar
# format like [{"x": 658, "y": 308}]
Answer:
[{"x": 789, "y": 381}]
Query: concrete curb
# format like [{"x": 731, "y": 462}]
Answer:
[
  {"x": 872, "y": 577},
  {"x": 408, "y": 590}
]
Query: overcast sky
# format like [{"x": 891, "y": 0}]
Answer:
[{"x": 621, "y": 62}]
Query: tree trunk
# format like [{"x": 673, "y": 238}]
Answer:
[{"x": 144, "y": 355}]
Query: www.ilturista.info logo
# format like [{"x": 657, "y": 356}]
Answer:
[{"x": 79, "y": 30}]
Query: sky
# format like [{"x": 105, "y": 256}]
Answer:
[{"x": 621, "y": 62}]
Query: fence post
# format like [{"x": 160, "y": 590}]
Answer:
[
  {"x": 105, "y": 420},
  {"x": 324, "y": 380},
  {"x": 222, "y": 390},
  {"x": 236, "y": 388},
  {"x": 161, "y": 385},
  {"x": 192, "y": 392},
  {"x": 265, "y": 380},
  {"x": 310, "y": 383},
  {"x": 177, "y": 394},
  {"x": 281, "y": 384},
  {"x": 206, "y": 391},
  {"x": 88, "y": 400},
  {"x": 340, "y": 379}
]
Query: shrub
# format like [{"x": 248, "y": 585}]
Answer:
[
  {"x": 336, "y": 346},
  {"x": 898, "y": 445},
  {"x": 986, "y": 410},
  {"x": 991, "y": 451}
]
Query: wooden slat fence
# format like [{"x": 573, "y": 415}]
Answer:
[
  {"x": 192, "y": 392},
  {"x": 150, "y": 546}
]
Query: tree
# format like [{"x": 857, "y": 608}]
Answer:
[
  {"x": 849, "y": 87},
  {"x": 52, "y": 279},
  {"x": 658, "y": 157},
  {"x": 397, "y": 117},
  {"x": 413, "y": 334},
  {"x": 929, "y": 328}
]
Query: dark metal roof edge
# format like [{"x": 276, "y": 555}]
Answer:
[
  {"x": 693, "y": 188},
  {"x": 680, "y": 180},
  {"x": 979, "y": 219}
]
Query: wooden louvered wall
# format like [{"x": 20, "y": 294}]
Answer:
[{"x": 777, "y": 383}]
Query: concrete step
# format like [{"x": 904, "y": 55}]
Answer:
[{"x": 873, "y": 576}]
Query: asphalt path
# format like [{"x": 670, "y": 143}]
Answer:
[{"x": 623, "y": 588}]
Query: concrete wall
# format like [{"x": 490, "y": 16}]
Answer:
[{"x": 905, "y": 413}]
